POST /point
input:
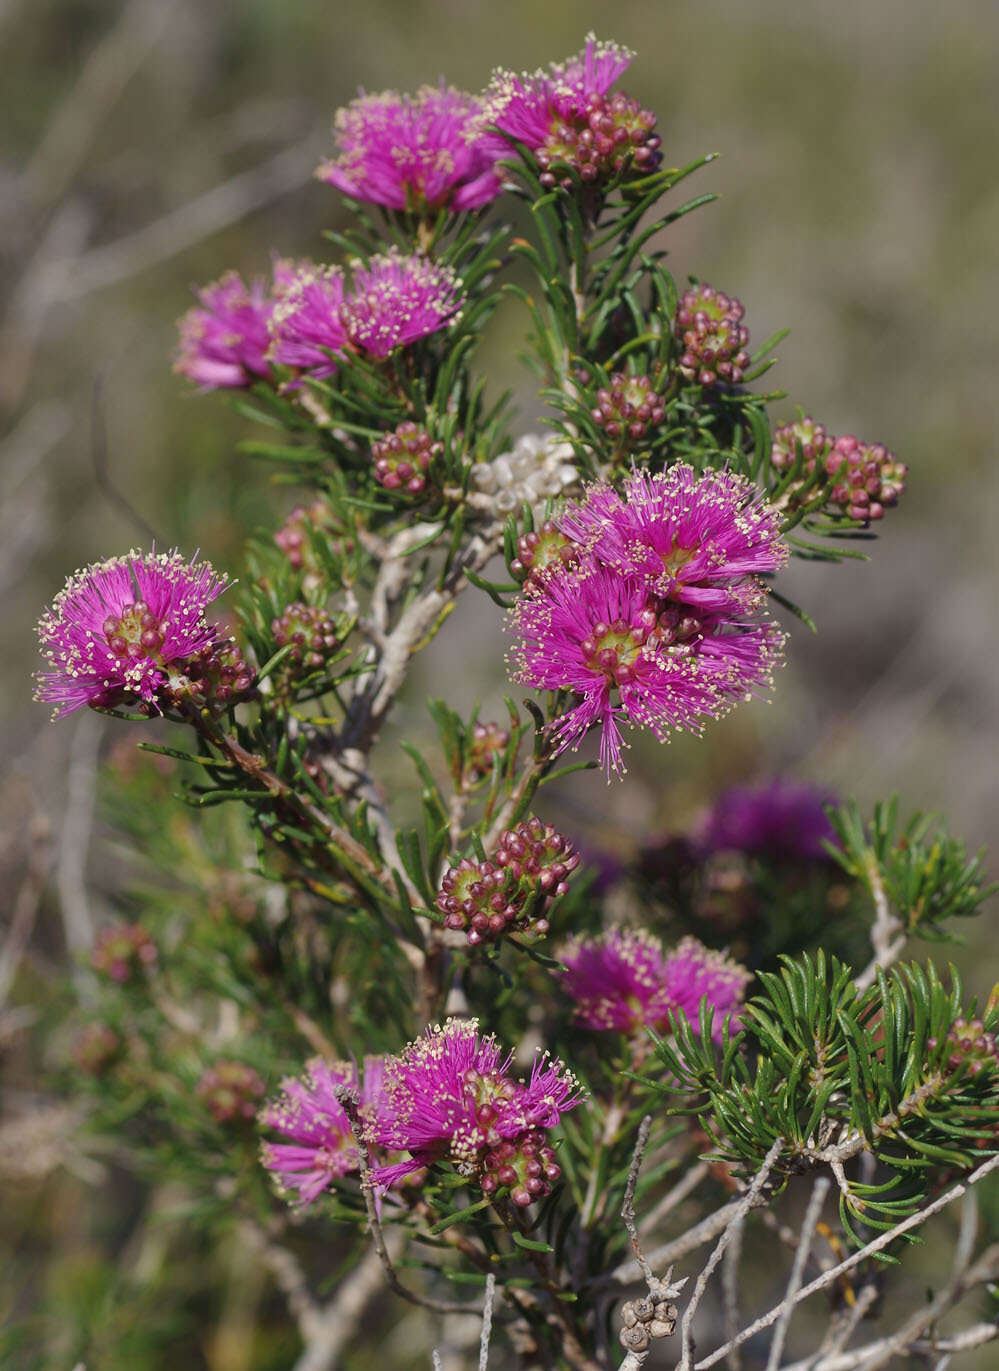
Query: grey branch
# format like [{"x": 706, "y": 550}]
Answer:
[
  {"x": 742, "y": 1208},
  {"x": 877, "y": 1245},
  {"x": 812, "y": 1214}
]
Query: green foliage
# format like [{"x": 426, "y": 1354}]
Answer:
[
  {"x": 836, "y": 1073},
  {"x": 925, "y": 875}
]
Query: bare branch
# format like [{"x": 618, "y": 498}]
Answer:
[
  {"x": 742, "y": 1208},
  {"x": 687, "y": 1183},
  {"x": 730, "y": 1290},
  {"x": 487, "y": 1321},
  {"x": 877, "y": 1245},
  {"x": 628, "y": 1207},
  {"x": 812, "y": 1214},
  {"x": 887, "y": 938}
]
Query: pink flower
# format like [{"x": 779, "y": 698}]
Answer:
[
  {"x": 697, "y": 539},
  {"x": 449, "y": 1096},
  {"x": 224, "y": 340},
  {"x": 412, "y": 152},
  {"x": 306, "y": 327},
  {"x": 779, "y": 818},
  {"x": 118, "y": 627},
  {"x": 568, "y": 120},
  {"x": 695, "y": 973},
  {"x": 397, "y": 300},
  {"x": 628, "y": 653},
  {"x": 623, "y": 982},
  {"x": 307, "y": 1111}
]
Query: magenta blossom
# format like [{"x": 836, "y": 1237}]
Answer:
[
  {"x": 569, "y": 121},
  {"x": 224, "y": 340},
  {"x": 694, "y": 973},
  {"x": 623, "y": 982},
  {"x": 308, "y": 1111},
  {"x": 307, "y": 328},
  {"x": 412, "y": 152},
  {"x": 630, "y": 654},
  {"x": 449, "y": 1096},
  {"x": 121, "y": 630},
  {"x": 397, "y": 300},
  {"x": 778, "y": 818},
  {"x": 528, "y": 107},
  {"x": 698, "y": 539}
]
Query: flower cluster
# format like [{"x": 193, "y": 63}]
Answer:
[
  {"x": 396, "y": 299},
  {"x": 863, "y": 478},
  {"x": 450, "y": 1096},
  {"x": 623, "y": 982},
  {"x": 567, "y": 118},
  {"x": 123, "y": 631},
  {"x": 779, "y": 818},
  {"x": 310, "y": 1113},
  {"x": 224, "y": 340},
  {"x": 714, "y": 340},
  {"x": 412, "y": 153},
  {"x": 510, "y": 893},
  {"x": 662, "y": 610}
]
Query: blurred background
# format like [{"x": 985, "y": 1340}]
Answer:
[{"x": 150, "y": 145}]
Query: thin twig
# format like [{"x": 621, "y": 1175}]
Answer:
[
  {"x": 349, "y": 1102},
  {"x": 812, "y": 1214},
  {"x": 685, "y": 1185},
  {"x": 878, "y": 1244},
  {"x": 334, "y": 1324},
  {"x": 731, "y": 1319},
  {"x": 628, "y": 1207},
  {"x": 487, "y": 1321},
  {"x": 888, "y": 946},
  {"x": 742, "y": 1208}
]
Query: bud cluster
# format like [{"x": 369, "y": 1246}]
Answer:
[
  {"x": 612, "y": 133},
  {"x": 230, "y": 1091},
  {"x": 487, "y": 899},
  {"x": 708, "y": 323},
  {"x": 526, "y": 1165},
  {"x": 627, "y": 408},
  {"x": 216, "y": 676},
  {"x": 293, "y": 538},
  {"x": 488, "y": 739},
  {"x": 541, "y": 551},
  {"x": 402, "y": 458},
  {"x": 95, "y": 1048},
  {"x": 972, "y": 1047},
  {"x": 308, "y": 631},
  {"x": 866, "y": 477},
  {"x": 123, "y": 951}
]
